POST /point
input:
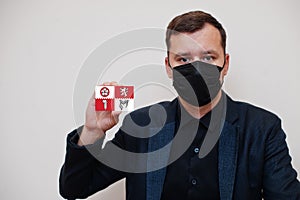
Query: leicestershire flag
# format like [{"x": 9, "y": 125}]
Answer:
[{"x": 110, "y": 98}]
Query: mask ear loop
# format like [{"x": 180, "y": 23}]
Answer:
[{"x": 220, "y": 69}]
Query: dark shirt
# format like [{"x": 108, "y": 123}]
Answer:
[{"x": 191, "y": 177}]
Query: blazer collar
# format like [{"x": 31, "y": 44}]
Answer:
[
  {"x": 161, "y": 139},
  {"x": 228, "y": 151}
]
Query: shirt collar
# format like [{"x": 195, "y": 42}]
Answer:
[{"x": 184, "y": 117}]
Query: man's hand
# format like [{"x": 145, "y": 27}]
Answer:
[{"x": 97, "y": 122}]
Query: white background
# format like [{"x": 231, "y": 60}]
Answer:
[{"x": 43, "y": 45}]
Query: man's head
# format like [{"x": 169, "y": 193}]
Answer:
[
  {"x": 195, "y": 36},
  {"x": 191, "y": 22}
]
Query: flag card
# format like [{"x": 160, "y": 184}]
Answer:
[{"x": 114, "y": 98}]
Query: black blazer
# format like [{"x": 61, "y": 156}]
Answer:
[{"x": 254, "y": 161}]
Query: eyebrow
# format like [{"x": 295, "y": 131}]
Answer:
[
  {"x": 211, "y": 51},
  {"x": 183, "y": 54}
]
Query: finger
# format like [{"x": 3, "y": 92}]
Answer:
[
  {"x": 114, "y": 83},
  {"x": 110, "y": 83},
  {"x": 116, "y": 115},
  {"x": 105, "y": 83}
]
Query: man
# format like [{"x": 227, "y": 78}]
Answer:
[{"x": 220, "y": 148}]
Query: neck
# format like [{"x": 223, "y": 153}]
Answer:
[{"x": 198, "y": 112}]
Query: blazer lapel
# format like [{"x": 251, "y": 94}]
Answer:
[
  {"x": 159, "y": 146},
  {"x": 228, "y": 148}
]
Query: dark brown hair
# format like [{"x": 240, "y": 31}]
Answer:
[{"x": 191, "y": 22}]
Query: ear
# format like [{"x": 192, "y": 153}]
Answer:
[
  {"x": 168, "y": 68},
  {"x": 226, "y": 65}
]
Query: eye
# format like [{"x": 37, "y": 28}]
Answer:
[
  {"x": 207, "y": 59},
  {"x": 184, "y": 60}
]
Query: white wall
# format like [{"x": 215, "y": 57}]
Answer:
[{"x": 43, "y": 45}]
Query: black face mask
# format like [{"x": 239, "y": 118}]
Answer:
[{"x": 197, "y": 82}]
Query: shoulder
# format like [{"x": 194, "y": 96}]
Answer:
[
  {"x": 250, "y": 113},
  {"x": 256, "y": 125}
]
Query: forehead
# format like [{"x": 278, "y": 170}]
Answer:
[{"x": 208, "y": 38}]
